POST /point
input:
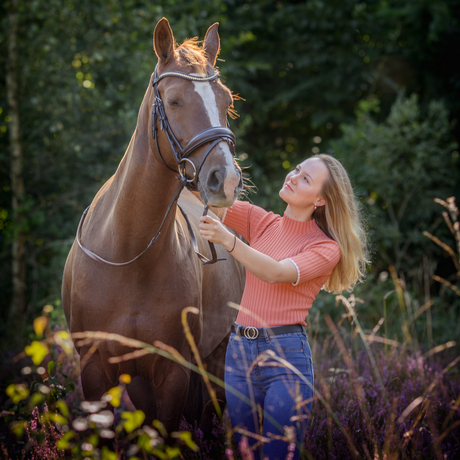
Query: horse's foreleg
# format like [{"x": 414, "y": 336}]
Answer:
[
  {"x": 214, "y": 364},
  {"x": 97, "y": 375},
  {"x": 171, "y": 396},
  {"x": 142, "y": 396}
]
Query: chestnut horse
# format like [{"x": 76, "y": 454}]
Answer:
[{"x": 143, "y": 297}]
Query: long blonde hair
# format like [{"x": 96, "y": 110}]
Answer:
[{"x": 340, "y": 219}]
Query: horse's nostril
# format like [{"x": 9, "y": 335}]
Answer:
[{"x": 214, "y": 180}]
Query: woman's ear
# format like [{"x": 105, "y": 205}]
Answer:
[{"x": 320, "y": 202}]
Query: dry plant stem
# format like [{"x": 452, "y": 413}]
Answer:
[
  {"x": 87, "y": 356},
  {"x": 446, "y": 248},
  {"x": 196, "y": 354},
  {"x": 166, "y": 351},
  {"x": 352, "y": 311},
  {"x": 450, "y": 205},
  {"x": 451, "y": 413},
  {"x": 426, "y": 306},
  {"x": 389, "y": 433},
  {"x": 447, "y": 284},
  {"x": 439, "y": 348},
  {"x": 385, "y": 315},
  {"x": 402, "y": 306}
]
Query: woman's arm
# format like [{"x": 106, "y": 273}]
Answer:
[{"x": 260, "y": 265}]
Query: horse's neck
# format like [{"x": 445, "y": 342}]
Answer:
[{"x": 136, "y": 200}]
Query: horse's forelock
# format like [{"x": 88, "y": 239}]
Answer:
[{"x": 192, "y": 53}]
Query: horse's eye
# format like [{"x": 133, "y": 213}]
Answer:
[{"x": 174, "y": 103}]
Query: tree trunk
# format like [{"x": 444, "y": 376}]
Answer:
[{"x": 18, "y": 300}]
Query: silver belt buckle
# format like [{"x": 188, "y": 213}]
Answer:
[{"x": 251, "y": 333}]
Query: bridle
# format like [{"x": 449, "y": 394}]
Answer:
[{"x": 214, "y": 135}]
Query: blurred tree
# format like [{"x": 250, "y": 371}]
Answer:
[
  {"x": 18, "y": 266},
  {"x": 398, "y": 167}
]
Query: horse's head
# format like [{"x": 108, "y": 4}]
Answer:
[{"x": 194, "y": 107}]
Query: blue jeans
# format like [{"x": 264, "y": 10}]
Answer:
[{"x": 272, "y": 397}]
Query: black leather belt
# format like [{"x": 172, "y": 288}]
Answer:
[{"x": 252, "y": 333}]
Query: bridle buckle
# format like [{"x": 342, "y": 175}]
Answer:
[
  {"x": 251, "y": 333},
  {"x": 182, "y": 169}
]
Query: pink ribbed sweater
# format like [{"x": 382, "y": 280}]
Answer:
[{"x": 304, "y": 243}]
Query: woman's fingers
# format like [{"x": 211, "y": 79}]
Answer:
[{"x": 210, "y": 229}]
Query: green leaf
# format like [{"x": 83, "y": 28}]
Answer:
[
  {"x": 133, "y": 420},
  {"x": 108, "y": 454},
  {"x": 17, "y": 392},
  {"x": 18, "y": 428},
  {"x": 172, "y": 452},
  {"x": 51, "y": 366},
  {"x": 37, "y": 351},
  {"x": 113, "y": 396},
  {"x": 186, "y": 436},
  {"x": 63, "y": 408},
  {"x": 36, "y": 399},
  {"x": 63, "y": 443}
]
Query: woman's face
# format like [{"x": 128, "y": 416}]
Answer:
[{"x": 302, "y": 187}]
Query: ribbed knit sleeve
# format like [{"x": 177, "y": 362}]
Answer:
[
  {"x": 317, "y": 260},
  {"x": 244, "y": 218}
]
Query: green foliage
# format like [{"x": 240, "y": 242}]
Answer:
[{"x": 399, "y": 166}]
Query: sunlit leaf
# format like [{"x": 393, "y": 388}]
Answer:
[
  {"x": 17, "y": 392},
  {"x": 51, "y": 366},
  {"x": 63, "y": 408},
  {"x": 63, "y": 339},
  {"x": 113, "y": 396},
  {"x": 108, "y": 454},
  {"x": 56, "y": 418},
  {"x": 40, "y": 324},
  {"x": 133, "y": 420},
  {"x": 63, "y": 443},
  {"x": 37, "y": 351},
  {"x": 160, "y": 427},
  {"x": 18, "y": 428},
  {"x": 35, "y": 399},
  {"x": 186, "y": 436},
  {"x": 172, "y": 452},
  {"x": 125, "y": 378}
]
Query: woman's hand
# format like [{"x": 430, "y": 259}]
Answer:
[
  {"x": 212, "y": 230},
  {"x": 260, "y": 265}
]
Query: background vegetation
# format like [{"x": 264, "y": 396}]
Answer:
[{"x": 373, "y": 82}]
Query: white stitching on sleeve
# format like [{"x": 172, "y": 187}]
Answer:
[{"x": 298, "y": 272}]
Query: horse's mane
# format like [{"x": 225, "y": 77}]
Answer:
[{"x": 192, "y": 52}]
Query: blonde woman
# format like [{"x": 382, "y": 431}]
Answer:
[{"x": 318, "y": 242}]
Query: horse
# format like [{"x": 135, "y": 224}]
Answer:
[{"x": 115, "y": 281}]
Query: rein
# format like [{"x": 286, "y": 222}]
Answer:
[{"x": 214, "y": 135}]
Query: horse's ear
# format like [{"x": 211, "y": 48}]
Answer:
[
  {"x": 163, "y": 41},
  {"x": 211, "y": 44}
]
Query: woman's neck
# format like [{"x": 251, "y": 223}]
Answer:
[{"x": 301, "y": 215}]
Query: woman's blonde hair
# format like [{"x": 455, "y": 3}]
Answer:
[{"x": 340, "y": 219}]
